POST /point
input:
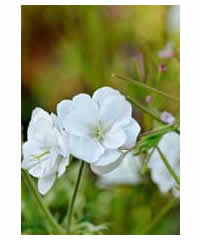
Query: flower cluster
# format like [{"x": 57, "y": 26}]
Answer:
[
  {"x": 130, "y": 171},
  {"x": 99, "y": 130}
]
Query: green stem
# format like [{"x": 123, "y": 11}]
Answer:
[
  {"x": 145, "y": 86},
  {"x": 69, "y": 215},
  {"x": 147, "y": 111},
  {"x": 145, "y": 164},
  {"x": 56, "y": 228},
  {"x": 144, "y": 109},
  {"x": 170, "y": 169},
  {"x": 162, "y": 130},
  {"x": 163, "y": 212}
]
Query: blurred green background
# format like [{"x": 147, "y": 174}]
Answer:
[{"x": 67, "y": 50}]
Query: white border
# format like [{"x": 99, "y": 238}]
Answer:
[
  {"x": 104, "y": 237},
  {"x": 10, "y": 126},
  {"x": 100, "y": 2},
  {"x": 11, "y": 115}
]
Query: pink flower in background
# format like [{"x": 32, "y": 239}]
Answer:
[{"x": 167, "y": 117}]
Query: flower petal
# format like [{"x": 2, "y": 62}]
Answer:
[
  {"x": 44, "y": 166},
  {"x": 132, "y": 131},
  {"x": 41, "y": 128},
  {"x": 114, "y": 138},
  {"x": 49, "y": 164},
  {"x": 62, "y": 163},
  {"x": 32, "y": 166},
  {"x": 170, "y": 147},
  {"x": 115, "y": 110},
  {"x": 128, "y": 172},
  {"x": 63, "y": 109},
  {"x": 104, "y": 93},
  {"x": 30, "y": 148},
  {"x": 63, "y": 147},
  {"x": 45, "y": 183},
  {"x": 37, "y": 114},
  {"x": 84, "y": 116},
  {"x": 163, "y": 179},
  {"x": 85, "y": 148},
  {"x": 83, "y": 98},
  {"x": 107, "y": 162}
]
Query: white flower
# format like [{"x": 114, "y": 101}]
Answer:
[
  {"x": 46, "y": 151},
  {"x": 170, "y": 147},
  {"x": 99, "y": 127},
  {"x": 128, "y": 172}
]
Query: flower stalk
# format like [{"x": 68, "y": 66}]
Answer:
[
  {"x": 145, "y": 86},
  {"x": 148, "y": 112},
  {"x": 54, "y": 225},
  {"x": 163, "y": 130},
  {"x": 70, "y": 211}
]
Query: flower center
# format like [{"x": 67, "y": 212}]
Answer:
[{"x": 99, "y": 133}]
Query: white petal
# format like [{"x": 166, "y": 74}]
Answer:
[
  {"x": 63, "y": 162},
  {"x": 49, "y": 163},
  {"x": 30, "y": 148},
  {"x": 62, "y": 137},
  {"x": 33, "y": 166},
  {"x": 45, "y": 183},
  {"x": 63, "y": 109},
  {"x": 114, "y": 138},
  {"x": 41, "y": 128},
  {"x": 85, "y": 148},
  {"x": 79, "y": 124},
  {"x": 107, "y": 162},
  {"x": 35, "y": 169},
  {"x": 43, "y": 167},
  {"x": 57, "y": 124},
  {"x": 163, "y": 179},
  {"x": 37, "y": 114},
  {"x": 54, "y": 119},
  {"x": 104, "y": 93},
  {"x": 132, "y": 131},
  {"x": 170, "y": 147},
  {"x": 63, "y": 144},
  {"x": 84, "y": 117},
  {"x": 83, "y": 98},
  {"x": 115, "y": 110},
  {"x": 128, "y": 172}
]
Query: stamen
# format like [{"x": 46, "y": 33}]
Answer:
[
  {"x": 99, "y": 133},
  {"x": 41, "y": 155}
]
